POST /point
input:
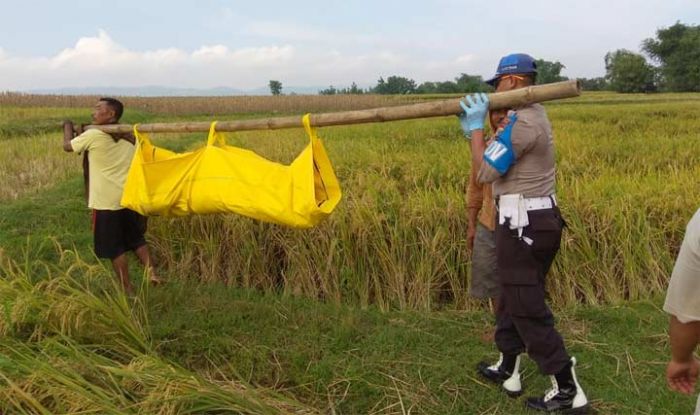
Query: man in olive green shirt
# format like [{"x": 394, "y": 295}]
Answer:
[{"x": 116, "y": 230}]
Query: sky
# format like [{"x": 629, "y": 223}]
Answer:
[{"x": 244, "y": 44}]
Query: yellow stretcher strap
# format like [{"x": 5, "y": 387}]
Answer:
[{"x": 222, "y": 179}]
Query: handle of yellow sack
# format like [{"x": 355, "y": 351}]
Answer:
[
  {"x": 215, "y": 136},
  {"x": 310, "y": 131},
  {"x": 137, "y": 135}
]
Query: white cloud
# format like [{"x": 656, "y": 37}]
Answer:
[
  {"x": 210, "y": 52},
  {"x": 244, "y": 45},
  {"x": 288, "y": 31},
  {"x": 102, "y": 61},
  {"x": 464, "y": 59},
  {"x": 220, "y": 54},
  {"x": 264, "y": 56},
  {"x": 91, "y": 49}
]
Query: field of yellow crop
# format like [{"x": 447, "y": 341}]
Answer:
[
  {"x": 626, "y": 182},
  {"x": 367, "y": 312}
]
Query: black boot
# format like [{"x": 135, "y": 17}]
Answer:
[
  {"x": 505, "y": 372},
  {"x": 565, "y": 396}
]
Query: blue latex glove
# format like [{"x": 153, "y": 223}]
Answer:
[
  {"x": 499, "y": 153},
  {"x": 475, "y": 108}
]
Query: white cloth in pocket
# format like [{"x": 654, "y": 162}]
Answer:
[{"x": 513, "y": 207}]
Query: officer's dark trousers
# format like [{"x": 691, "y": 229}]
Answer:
[{"x": 523, "y": 321}]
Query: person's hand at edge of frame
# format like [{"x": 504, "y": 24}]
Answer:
[
  {"x": 471, "y": 235},
  {"x": 682, "y": 376}
]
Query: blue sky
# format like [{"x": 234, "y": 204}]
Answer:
[{"x": 243, "y": 44}]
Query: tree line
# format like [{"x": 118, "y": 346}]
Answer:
[
  {"x": 673, "y": 64},
  {"x": 396, "y": 85},
  {"x": 669, "y": 62},
  {"x": 547, "y": 72}
]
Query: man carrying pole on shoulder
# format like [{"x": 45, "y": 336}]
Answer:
[
  {"x": 520, "y": 165},
  {"x": 116, "y": 230}
]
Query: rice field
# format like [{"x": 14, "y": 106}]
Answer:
[
  {"x": 395, "y": 247},
  {"x": 626, "y": 183}
]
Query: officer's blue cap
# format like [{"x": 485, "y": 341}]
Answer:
[{"x": 515, "y": 63}]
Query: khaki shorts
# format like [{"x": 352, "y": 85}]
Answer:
[{"x": 484, "y": 283}]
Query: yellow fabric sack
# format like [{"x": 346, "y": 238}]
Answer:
[{"x": 223, "y": 179}]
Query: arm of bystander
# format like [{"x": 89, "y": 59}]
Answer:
[{"x": 682, "y": 370}]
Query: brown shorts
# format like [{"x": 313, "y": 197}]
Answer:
[{"x": 484, "y": 283}]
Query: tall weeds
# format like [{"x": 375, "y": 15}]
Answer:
[{"x": 72, "y": 343}]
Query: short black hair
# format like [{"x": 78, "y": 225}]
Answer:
[{"x": 115, "y": 105}]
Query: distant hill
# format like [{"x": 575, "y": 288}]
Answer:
[{"x": 164, "y": 91}]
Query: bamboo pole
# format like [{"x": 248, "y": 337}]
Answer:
[{"x": 509, "y": 99}]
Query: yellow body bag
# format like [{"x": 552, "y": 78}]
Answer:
[{"x": 224, "y": 179}]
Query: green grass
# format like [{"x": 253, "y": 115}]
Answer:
[
  {"x": 29, "y": 225},
  {"x": 367, "y": 361},
  {"x": 109, "y": 354}
]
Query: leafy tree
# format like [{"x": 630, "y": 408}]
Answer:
[
  {"x": 677, "y": 50},
  {"x": 594, "y": 84},
  {"x": 395, "y": 85},
  {"x": 380, "y": 88},
  {"x": 471, "y": 83},
  {"x": 446, "y": 87},
  {"x": 462, "y": 84},
  {"x": 548, "y": 72},
  {"x": 275, "y": 87},
  {"x": 427, "y": 87},
  {"x": 328, "y": 91},
  {"x": 354, "y": 90},
  {"x": 628, "y": 72}
]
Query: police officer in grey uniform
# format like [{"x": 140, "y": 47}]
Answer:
[{"x": 520, "y": 165}]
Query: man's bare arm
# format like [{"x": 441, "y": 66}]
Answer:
[
  {"x": 478, "y": 145},
  {"x": 682, "y": 370},
  {"x": 684, "y": 339},
  {"x": 475, "y": 199},
  {"x": 68, "y": 135}
]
